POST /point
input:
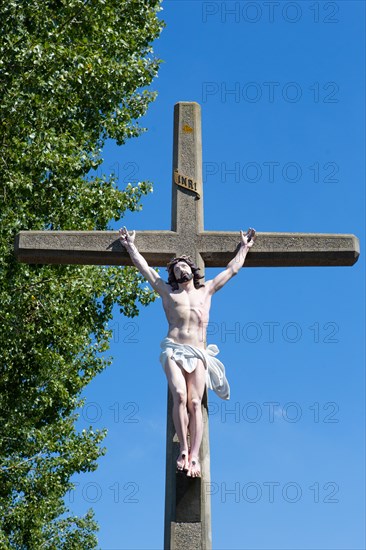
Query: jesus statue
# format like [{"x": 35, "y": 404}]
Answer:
[{"x": 188, "y": 362}]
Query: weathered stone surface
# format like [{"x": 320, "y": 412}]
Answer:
[
  {"x": 186, "y": 536},
  {"x": 216, "y": 248}
]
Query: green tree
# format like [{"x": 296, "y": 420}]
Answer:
[{"x": 73, "y": 73}]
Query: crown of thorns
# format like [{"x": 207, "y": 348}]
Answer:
[{"x": 195, "y": 270}]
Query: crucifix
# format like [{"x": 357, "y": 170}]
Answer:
[{"x": 187, "y": 507}]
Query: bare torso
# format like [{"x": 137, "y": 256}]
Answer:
[{"x": 187, "y": 314}]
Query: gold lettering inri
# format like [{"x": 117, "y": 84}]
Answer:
[{"x": 187, "y": 183}]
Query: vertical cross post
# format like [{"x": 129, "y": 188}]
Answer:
[{"x": 187, "y": 510}]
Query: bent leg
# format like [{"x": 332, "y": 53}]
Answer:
[
  {"x": 196, "y": 382},
  {"x": 178, "y": 387}
]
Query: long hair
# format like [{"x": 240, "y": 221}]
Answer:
[{"x": 172, "y": 281}]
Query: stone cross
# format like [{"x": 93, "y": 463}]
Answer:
[{"x": 187, "y": 507}]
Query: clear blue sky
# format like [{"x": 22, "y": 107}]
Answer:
[{"x": 281, "y": 86}]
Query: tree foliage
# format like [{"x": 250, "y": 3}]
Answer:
[{"x": 73, "y": 73}]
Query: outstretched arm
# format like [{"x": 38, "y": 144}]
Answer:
[
  {"x": 234, "y": 266},
  {"x": 139, "y": 261}
]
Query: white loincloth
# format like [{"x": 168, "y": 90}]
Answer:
[{"x": 186, "y": 357}]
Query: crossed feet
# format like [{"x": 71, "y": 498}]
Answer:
[{"x": 188, "y": 463}]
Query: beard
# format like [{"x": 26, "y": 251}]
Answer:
[{"x": 185, "y": 278}]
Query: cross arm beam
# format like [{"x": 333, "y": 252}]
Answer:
[
  {"x": 92, "y": 247},
  {"x": 217, "y": 248},
  {"x": 281, "y": 249}
]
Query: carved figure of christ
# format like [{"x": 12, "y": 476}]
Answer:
[{"x": 187, "y": 304}]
